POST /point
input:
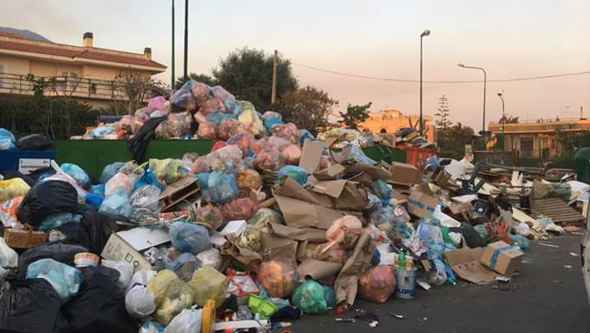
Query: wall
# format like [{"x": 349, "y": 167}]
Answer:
[
  {"x": 14, "y": 65},
  {"x": 40, "y": 68},
  {"x": 100, "y": 73},
  {"x": 393, "y": 120}
]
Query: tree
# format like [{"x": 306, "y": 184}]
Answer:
[
  {"x": 355, "y": 114},
  {"x": 307, "y": 108},
  {"x": 247, "y": 73},
  {"x": 442, "y": 114},
  {"x": 135, "y": 87},
  {"x": 204, "y": 78},
  {"x": 453, "y": 139}
]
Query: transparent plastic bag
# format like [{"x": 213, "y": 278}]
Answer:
[
  {"x": 267, "y": 159},
  {"x": 291, "y": 154},
  {"x": 157, "y": 103},
  {"x": 212, "y": 105},
  {"x": 286, "y": 131},
  {"x": 309, "y": 297},
  {"x": 238, "y": 209},
  {"x": 200, "y": 165},
  {"x": 207, "y": 283},
  {"x": 243, "y": 140},
  {"x": 378, "y": 284},
  {"x": 172, "y": 295},
  {"x": 296, "y": 173},
  {"x": 168, "y": 170},
  {"x": 207, "y": 131},
  {"x": 188, "y": 237},
  {"x": 66, "y": 280},
  {"x": 7, "y": 140},
  {"x": 228, "y": 128},
  {"x": 11, "y": 188},
  {"x": 210, "y": 258},
  {"x": 124, "y": 268},
  {"x": 119, "y": 182},
  {"x": 183, "y": 97},
  {"x": 116, "y": 204},
  {"x": 249, "y": 179},
  {"x": 77, "y": 173},
  {"x": 432, "y": 238},
  {"x": 265, "y": 216},
  {"x": 250, "y": 118},
  {"x": 8, "y": 257},
  {"x": 221, "y": 93},
  {"x": 110, "y": 171},
  {"x": 344, "y": 232},
  {"x": 271, "y": 119},
  {"x": 304, "y": 135},
  {"x": 222, "y": 187},
  {"x": 178, "y": 125},
  {"x": 139, "y": 302},
  {"x": 200, "y": 91},
  {"x": 209, "y": 216},
  {"x": 145, "y": 205},
  {"x": 277, "y": 277},
  {"x": 188, "y": 321}
]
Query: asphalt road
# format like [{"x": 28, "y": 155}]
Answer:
[{"x": 548, "y": 296}]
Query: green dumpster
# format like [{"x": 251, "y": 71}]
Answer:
[
  {"x": 384, "y": 153},
  {"x": 582, "y": 158}
]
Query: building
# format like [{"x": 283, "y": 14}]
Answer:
[
  {"x": 84, "y": 72},
  {"x": 538, "y": 139},
  {"x": 392, "y": 120}
]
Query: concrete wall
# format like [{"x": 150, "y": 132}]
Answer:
[
  {"x": 99, "y": 73},
  {"x": 15, "y": 65}
]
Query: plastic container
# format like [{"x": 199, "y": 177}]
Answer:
[{"x": 406, "y": 283}]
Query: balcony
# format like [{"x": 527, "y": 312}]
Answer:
[{"x": 65, "y": 86}]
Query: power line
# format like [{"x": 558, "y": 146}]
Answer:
[{"x": 516, "y": 79}]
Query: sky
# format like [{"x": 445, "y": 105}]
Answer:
[{"x": 377, "y": 38}]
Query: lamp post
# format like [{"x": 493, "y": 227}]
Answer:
[
  {"x": 186, "y": 40},
  {"x": 173, "y": 48},
  {"x": 503, "y": 121},
  {"x": 422, "y": 35},
  {"x": 485, "y": 74}
]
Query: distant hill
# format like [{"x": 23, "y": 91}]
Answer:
[{"x": 26, "y": 34}]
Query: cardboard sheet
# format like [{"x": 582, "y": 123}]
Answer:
[
  {"x": 421, "y": 203},
  {"x": 317, "y": 269},
  {"x": 299, "y": 213},
  {"x": 346, "y": 286},
  {"x": 311, "y": 155},
  {"x": 465, "y": 263},
  {"x": 312, "y": 235}
]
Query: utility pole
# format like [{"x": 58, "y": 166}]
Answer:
[
  {"x": 422, "y": 35},
  {"x": 186, "y": 39},
  {"x": 273, "y": 97},
  {"x": 173, "y": 83}
]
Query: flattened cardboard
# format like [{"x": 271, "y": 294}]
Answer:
[
  {"x": 292, "y": 189},
  {"x": 420, "y": 203},
  {"x": 311, "y": 155},
  {"x": 375, "y": 172},
  {"x": 404, "y": 174},
  {"x": 502, "y": 257},
  {"x": 119, "y": 250},
  {"x": 330, "y": 173},
  {"x": 299, "y": 234},
  {"x": 278, "y": 247},
  {"x": 332, "y": 188},
  {"x": 299, "y": 213},
  {"x": 346, "y": 286},
  {"x": 465, "y": 263},
  {"x": 353, "y": 197},
  {"x": 317, "y": 270}
]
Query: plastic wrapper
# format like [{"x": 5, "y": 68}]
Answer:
[
  {"x": 187, "y": 321},
  {"x": 207, "y": 283},
  {"x": 66, "y": 280},
  {"x": 286, "y": 131},
  {"x": 109, "y": 171},
  {"x": 188, "y": 237},
  {"x": 310, "y": 298},
  {"x": 7, "y": 140},
  {"x": 249, "y": 179},
  {"x": 296, "y": 173},
  {"x": 344, "y": 232},
  {"x": 241, "y": 284},
  {"x": 11, "y": 188},
  {"x": 278, "y": 278},
  {"x": 265, "y": 216},
  {"x": 8, "y": 257},
  {"x": 209, "y": 216},
  {"x": 210, "y": 258},
  {"x": 207, "y": 131},
  {"x": 116, "y": 204},
  {"x": 228, "y": 128},
  {"x": 291, "y": 154},
  {"x": 168, "y": 170},
  {"x": 172, "y": 295},
  {"x": 271, "y": 119},
  {"x": 145, "y": 205},
  {"x": 57, "y": 220},
  {"x": 124, "y": 268},
  {"x": 238, "y": 209},
  {"x": 77, "y": 173},
  {"x": 177, "y": 125},
  {"x": 139, "y": 302},
  {"x": 250, "y": 118},
  {"x": 378, "y": 284},
  {"x": 183, "y": 97}
]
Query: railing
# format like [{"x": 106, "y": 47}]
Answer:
[{"x": 70, "y": 86}]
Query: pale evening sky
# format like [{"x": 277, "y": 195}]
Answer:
[{"x": 374, "y": 37}]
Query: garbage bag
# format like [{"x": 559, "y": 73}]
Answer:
[
  {"x": 8, "y": 257},
  {"x": 183, "y": 97},
  {"x": 168, "y": 170},
  {"x": 116, "y": 204},
  {"x": 262, "y": 307},
  {"x": 304, "y": 135},
  {"x": 119, "y": 182},
  {"x": 183, "y": 264},
  {"x": 265, "y": 216},
  {"x": 211, "y": 106},
  {"x": 57, "y": 220},
  {"x": 344, "y": 232},
  {"x": 286, "y": 131},
  {"x": 210, "y": 258},
  {"x": 92, "y": 232},
  {"x": 207, "y": 131},
  {"x": 158, "y": 103},
  {"x": 207, "y": 283},
  {"x": 228, "y": 128},
  {"x": 243, "y": 140},
  {"x": 145, "y": 205},
  {"x": 277, "y": 277},
  {"x": 124, "y": 268},
  {"x": 310, "y": 298},
  {"x": 12, "y": 188},
  {"x": 241, "y": 284},
  {"x": 172, "y": 295},
  {"x": 63, "y": 253},
  {"x": 7, "y": 140},
  {"x": 250, "y": 118},
  {"x": 271, "y": 119},
  {"x": 98, "y": 189},
  {"x": 31, "y": 306},
  {"x": 188, "y": 321},
  {"x": 209, "y": 216},
  {"x": 139, "y": 302},
  {"x": 249, "y": 179},
  {"x": 177, "y": 125},
  {"x": 238, "y": 209},
  {"x": 378, "y": 284},
  {"x": 222, "y": 187},
  {"x": 141, "y": 278},
  {"x": 188, "y": 237},
  {"x": 520, "y": 241},
  {"x": 77, "y": 173},
  {"x": 34, "y": 142},
  {"x": 267, "y": 159},
  {"x": 291, "y": 154},
  {"x": 294, "y": 172},
  {"x": 109, "y": 171},
  {"x": 383, "y": 190},
  {"x": 8, "y": 210},
  {"x": 150, "y": 326},
  {"x": 99, "y": 306},
  {"x": 64, "y": 279}
]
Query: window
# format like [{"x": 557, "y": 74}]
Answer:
[
  {"x": 92, "y": 89},
  {"x": 2, "y": 71},
  {"x": 526, "y": 147}
]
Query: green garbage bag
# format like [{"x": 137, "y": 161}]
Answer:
[{"x": 309, "y": 298}]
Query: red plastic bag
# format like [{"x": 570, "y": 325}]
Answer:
[
  {"x": 378, "y": 284},
  {"x": 218, "y": 145},
  {"x": 291, "y": 154},
  {"x": 278, "y": 278},
  {"x": 207, "y": 131},
  {"x": 238, "y": 209}
]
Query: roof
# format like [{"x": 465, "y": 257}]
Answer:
[
  {"x": 8, "y": 41},
  {"x": 24, "y": 34}
]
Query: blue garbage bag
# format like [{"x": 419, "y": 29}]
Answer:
[
  {"x": 520, "y": 241},
  {"x": 383, "y": 190},
  {"x": 148, "y": 178},
  {"x": 77, "y": 173},
  {"x": 222, "y": 187},
  {"x": 294, "y": 172},
  {"x": 109, "y": 171},
  {"x": 203, "y": 181},
  {"x": 97, "y": 189},
  {"x": 183, "y": 96},
  {"x": 117, "y": 204},
  {"x": 7, "y": 140},
  {"x": 188, "y": 237},
  {"x": 66, "y": 280},
  {"x": 305, "y": 135}
]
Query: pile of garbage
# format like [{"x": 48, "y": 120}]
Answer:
[
  {"x": 409, "y": 136},
  {"x": 271, "y": 225}
]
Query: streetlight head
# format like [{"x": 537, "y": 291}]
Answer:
[
  {"x": 500, "y": 94},
  {"x": 425, "y": 33},
  {"x": 460, "y": 65}
]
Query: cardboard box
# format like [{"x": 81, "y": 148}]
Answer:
[
  {"x": 502, "y": 258},
  {"x": 421, "y": 203},
  {"x": 128, "y": 246},
  {"x": 404, "y": 174},
  {"x": 465, "y": 263}
]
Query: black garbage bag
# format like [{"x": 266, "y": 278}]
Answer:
[
  {"x": 472, "y": 237},
  {"x": 30, "y": 306},
  {"x": 57, "y": 251},
  {"x": 34, "y": 142},
  {"x": 47, "y": 198},
  {"x": 32, "y": 178},
  {"x": 99, "y": 306},
  {"x": 92, "y": 232},
  {"x": 138, "y": 144}
]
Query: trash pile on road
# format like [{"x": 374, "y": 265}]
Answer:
[{"x": 271, "y": 225}]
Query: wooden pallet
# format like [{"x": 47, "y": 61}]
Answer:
[
  {"x": 557, "y": 210},
  {"x": 177, "y": 192}
]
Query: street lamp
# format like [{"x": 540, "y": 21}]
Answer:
[
  {"x": 173, "y": 84},
  {"x": 503, "y": 121},
  {"x": 485, "y": 74},
  {"x": 422, "y": 35}
]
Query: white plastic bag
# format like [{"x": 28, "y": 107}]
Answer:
[
  {"x": 210, "y": 258},
  {"x": 188, "y": 321},
  {"x": 139, "y": 302},
  {"x": 125, "y": 271},
  {"x": 8, "y": 257},
  {"x": 141, "y": 278}
]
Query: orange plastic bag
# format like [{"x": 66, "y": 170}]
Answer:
[
  {"x": 278, "y": 278},
  {"x": 378, "y": 284}
]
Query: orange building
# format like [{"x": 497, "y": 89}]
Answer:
[{"x": 392, "y": 120}]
